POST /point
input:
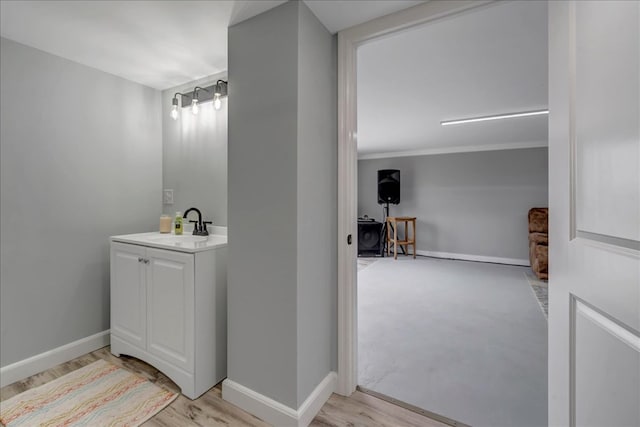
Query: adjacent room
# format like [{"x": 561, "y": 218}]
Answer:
[{"x": 457, "y": 330}]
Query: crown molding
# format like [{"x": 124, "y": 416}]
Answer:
[{"x": 449, "y": 150}]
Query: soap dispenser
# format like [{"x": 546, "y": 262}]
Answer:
[{"x": 178, "y": 224}]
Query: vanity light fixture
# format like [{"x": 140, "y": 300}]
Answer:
[
  {"x": 199, "y": 95},
  {"x": 174, "y": 106},
  {"x": 194, "y": 101},
  {"x": 219, "y": 89},
  {"x": 494, "y": 117}
]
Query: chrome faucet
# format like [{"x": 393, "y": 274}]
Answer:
[{"x": 199, "y": 227}]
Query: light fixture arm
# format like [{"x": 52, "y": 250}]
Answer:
[
  {"x": 175, "y": 98},
  {"x": 218, "y": 88},
  {"x": 195, "y": 91}
]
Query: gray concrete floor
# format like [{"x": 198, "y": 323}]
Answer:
[{"x": 462, "y": 339}]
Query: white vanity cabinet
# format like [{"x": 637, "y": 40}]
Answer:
[{"x": 168, "y": 308}]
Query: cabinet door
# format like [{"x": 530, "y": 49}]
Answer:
[
  {"x": 170, "y": 302},
  {"x": 128, "y": 293}
]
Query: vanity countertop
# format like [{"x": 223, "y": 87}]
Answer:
[{"x": 183, "y": 243}]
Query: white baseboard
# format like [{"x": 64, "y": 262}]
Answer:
[
  {"x": 276, "y": 413},
  {"x": 43, "y": 361},
  {"x": 318, "y": 397},
  {"x": 479, "y": 258}
]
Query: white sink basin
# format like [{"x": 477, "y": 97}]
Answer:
[
  {"x": 172, "y": 239},
  {"x": 183, "y": 243}
]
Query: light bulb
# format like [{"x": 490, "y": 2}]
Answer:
[
  {"x": 194, "y": 106},
  {"x": 217, "y": 103},
  {"x": 174, "y": 112}
]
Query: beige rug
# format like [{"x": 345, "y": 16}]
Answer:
[{"x": 99, "y": 394}]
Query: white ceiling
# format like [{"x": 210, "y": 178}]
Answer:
[
  {"x": 487, "y": 61},
  {"x": 337, "y": 15},
  {"x": 160, "y": 44}
]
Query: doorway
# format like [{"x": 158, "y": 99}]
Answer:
[{"x": 349, "y": 158}]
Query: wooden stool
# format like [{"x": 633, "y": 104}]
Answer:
[{"x": 392, "y": 221}]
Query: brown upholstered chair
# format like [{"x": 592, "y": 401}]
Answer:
[{"x": 539, "y": 242}]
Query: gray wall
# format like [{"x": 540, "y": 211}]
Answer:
[
  {"x": 465, "y": 203},
  {"x": 80, "y": 161},
  {"x": 262, "y": 270},
  {"x": 282, "y": 196},
  {"x": 317, "y": 203},
  {"x": 195, "y": 155}
]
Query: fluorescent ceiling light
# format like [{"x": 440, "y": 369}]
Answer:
[{"x": 496, "y": 117}]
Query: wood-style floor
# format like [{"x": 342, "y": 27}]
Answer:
[{"x": 210, "y": 410}]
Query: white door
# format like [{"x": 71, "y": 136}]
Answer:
[
  {"x": 170, "y": 299},
  {"x": 128, "y": 293},
  {"x": 594, "y": 169}
]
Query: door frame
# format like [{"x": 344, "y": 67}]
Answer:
[{"x": 348, "y": 42}]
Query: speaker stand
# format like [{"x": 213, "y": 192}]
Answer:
[
  {"x": 385, "y": 214},
  {"x": 384, "y": 232}
]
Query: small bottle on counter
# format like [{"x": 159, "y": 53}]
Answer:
[{"x": 178, "y": 224}]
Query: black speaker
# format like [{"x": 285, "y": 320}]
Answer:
[
  {"x": 369, "y": 238},
  {"x": 388, "y": 186}
]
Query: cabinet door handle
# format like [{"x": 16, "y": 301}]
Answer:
[
  {"x": 140, "y": 259},
  {"x": 146, "y": 261}
]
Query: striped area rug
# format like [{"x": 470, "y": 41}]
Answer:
[{"x": 99, "y": 394}]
